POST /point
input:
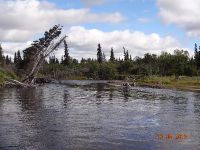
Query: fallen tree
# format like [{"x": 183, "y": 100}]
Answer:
[
  {"x": 13, "y": 83},
  {"x": 37, "y": 53}
]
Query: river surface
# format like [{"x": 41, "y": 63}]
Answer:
[{"x": 84, "y": 115}]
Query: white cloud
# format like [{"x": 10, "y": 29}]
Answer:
[
  {"x": 83, "y": 42},
  {"x": 9, "y": 48},
  {"x": 184, "y": 13},
  {"x": 21, "y": 20},
  {"x": 15, "y": 35}
]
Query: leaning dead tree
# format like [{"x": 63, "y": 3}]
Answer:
[{"x": 38, "y": 52}]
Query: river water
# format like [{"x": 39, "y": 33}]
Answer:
[{"x": 93, "y": 115}]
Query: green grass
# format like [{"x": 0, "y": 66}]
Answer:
[
  {"x": 6, "y": 74},
  {"x": 183, "y": 82},
  {"x": 2, "y": 78}
]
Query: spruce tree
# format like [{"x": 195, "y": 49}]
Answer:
[
  {"x": 99, "y": 54},
  {"x": 197, "y": 55},
  {"x": 103, "y": 57},
  {"x": 130, "y": 58},
  {"x": 62, "y": 60},
  {"x": 112, "y": 57},
  {"x": 56, "y": 61},
  {"x": 52, "y": 59},
  {"x": 195, "y": 51},
  {"x": 83, "y": 60},
  {"x": 1, "y": 56},
  {"x": 19, "y": 58},
  {"x": 126, "y": 54},
  {"x": 66, "y": 60},
  {"x": 7, "y": 60},
  {"x": 15, "y": 58}
]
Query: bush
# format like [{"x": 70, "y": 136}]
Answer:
[{"x": 107, "y": 71}]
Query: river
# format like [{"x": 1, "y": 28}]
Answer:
[{"x": 93, "y": 115}]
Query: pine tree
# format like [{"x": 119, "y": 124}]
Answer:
[
  {"x": 19, "y": 58},
  {"x": 2, "y": 58},
  {"x": 195, "y": 51},
  {"x": 83, "y": 60},
  {"x": 62, "y": 60},
  {"x": 112, "y": 57},
  {"x": 66, "y": 60},
  {"x": 103, "y": 57},
  {"x": 10, "y": 60},
  {"x": 197, "y": 55},
  {"x": 126, "y": 54},
  {"x": 15, "y": 58},
  {"x": 52, "y": 59},
  {"x": 130, "y": 58},
  {"x": 56, "y": 61},
  {"x": 99, "y": 54},
  {"x": 7, "y": 60}
]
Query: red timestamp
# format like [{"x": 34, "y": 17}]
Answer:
[{"x": 171, "y": 136}]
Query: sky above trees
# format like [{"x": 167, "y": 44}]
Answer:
[{"x": 139, "y": 25}]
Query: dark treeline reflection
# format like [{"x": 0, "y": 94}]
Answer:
[{"x": 30, "y": 99}]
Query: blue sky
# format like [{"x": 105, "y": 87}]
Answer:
[
  {"x": 140, "y": 25},
  {"x": 132, "y": 10}
]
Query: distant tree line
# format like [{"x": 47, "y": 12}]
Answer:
[
  {"x": 178, "y": 64},
  {"x": 4, "y": 60}
]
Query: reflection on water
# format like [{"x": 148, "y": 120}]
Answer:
[{"x": 94, "y": 115}]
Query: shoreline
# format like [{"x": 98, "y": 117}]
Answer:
[{"x": 184, "y": 84}]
